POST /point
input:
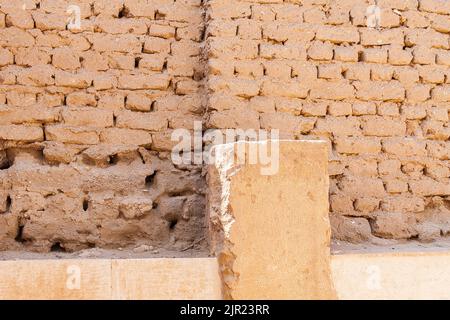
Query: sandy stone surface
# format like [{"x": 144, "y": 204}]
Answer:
[{"x": 271, "y": 233}]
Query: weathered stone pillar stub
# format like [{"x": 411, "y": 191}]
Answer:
[{"x": 271, "y": 233}]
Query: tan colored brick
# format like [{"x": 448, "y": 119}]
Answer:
[
  {"x": 363, "y": 108},
  {"x": 339, "y": 126},
  {"x": 73, "y": 80},
  {"x": 403, "y": 203},
  {"x": 287, "y": 123},
  {"x": 418, "y": 93},
  {"x": 232, "y": 48},
  {"x": 341, "y": 203},
  {"x": 284, "y": 31},
  {"x": 6, "y": 57},
  {"x": 32, "y": 56},
  {"x": 367, "y": 204},
  {"x": 21, "y": 133},
  {"x": 222, "y": 10},
  {"x": 358, "y": 71},
  {"x": 249, "y": 29},
  {"x": 435, "y": 6},
  {"x": 230, "y": 119},
  {"x": 330, "y": 71},
  {"x": 291, "y": 89},
  {"x": 333, "y": 90},
  {"x": 380, "y": 90},
  {"x": 357, "y": 145},
  {"x": 134, "y": 82},
  {"x": 121, "y": 26},
  {"x": 340, "y": 109},
  {"x": 277, "y": 69},
  {"x": 396, "y": 186},
  {"x": 81, "y": 99},
  {"x": 27, "y": 115},
  {"x": 362, "y": 187},
  {"x": 390, "y": 168},
  {"x": 123, "y": 136},
  {"x": 430, "y": 187},
  {"x": 15, "y": 37},
  {"x": 88, "y": 117},
  {"x": 68, "y": 134},
  {"x": 153, "y": 121},
  {"x": 370, "y": 37},
  {"x": 383, "y": 127},
  {"x": 244, "y": 88},
  {"x": 19, "y": 18},
  {"x": 247, "y": 68},
  {"x": 287, "y": 51},
  {"x": 314, "y": 109},
  {"x": 46, "y": 21},
  {"x": 139, "y": 102},
  {"x": 375, "y": 55},
  {"x": 338, "y": 34},
  {"x": 153, "y": 62},
  {"x": 426, "y": 37},
  {"x": 267, "y": 104},
  {"x": 382, "y": 72},
  {"x": 65, "y": 59},
  {"x": 320, "y": 51},
  {"x": 399, "y": 57},
  {"x": 162, "y": 31},
  {"x": 404, "y": 147},
  {"x": 441, "y": 93},
  {"x": 120, "y": 43},
  {"x": 423, "y": 55},
  {"x": 39, "y": 76},
  {"x": 346, "y": 54}
]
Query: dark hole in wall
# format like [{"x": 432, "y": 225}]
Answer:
[
  {"x": 124, "y": 12},
  {"x": 19, "y": 236},
  {"x": 149, "y": 180},
  {"x": 113, "y": 159},
  {"x": 5, "y": 165},
  {"x": 57, "y": 247},
  {"x": 173, "y": 224},
  {"x": 136, "y": 62},
  {"x": 5, "y": 162},
  {"x": 85, "y": 204},
  {"x": 8, "y": 203}
]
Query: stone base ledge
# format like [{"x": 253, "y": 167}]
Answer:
[
  {"x": 99, "y": 279},
  {"x": 400, "y": 275}
]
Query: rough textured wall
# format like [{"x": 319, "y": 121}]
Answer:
[
  {"x": 86, "y": 116},
  {"x": 85, "y": 123},
  {"x": 381, "y": 97}
]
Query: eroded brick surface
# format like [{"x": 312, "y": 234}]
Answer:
[
  {"x": 85, "y": 123},
  {"x": 379, "y": 96}
]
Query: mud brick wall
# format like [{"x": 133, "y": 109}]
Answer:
[
  {"x": 379, "y": 96},
  {"x": 85, "y": 123},
  {"x": 86, "y": 115}
]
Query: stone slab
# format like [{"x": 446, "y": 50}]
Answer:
[
  {"x": 271, "y": 233},
  {"x": 171, "y": 279},
  {"x": 386, "y": 276},
  {"x": 55, "y": 279}
]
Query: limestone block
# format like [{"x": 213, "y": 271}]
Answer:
[
  {"x": 271, "y": 233},
  {"x": 154, "y": 279},
  {"x": 55, "y": 279}
]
